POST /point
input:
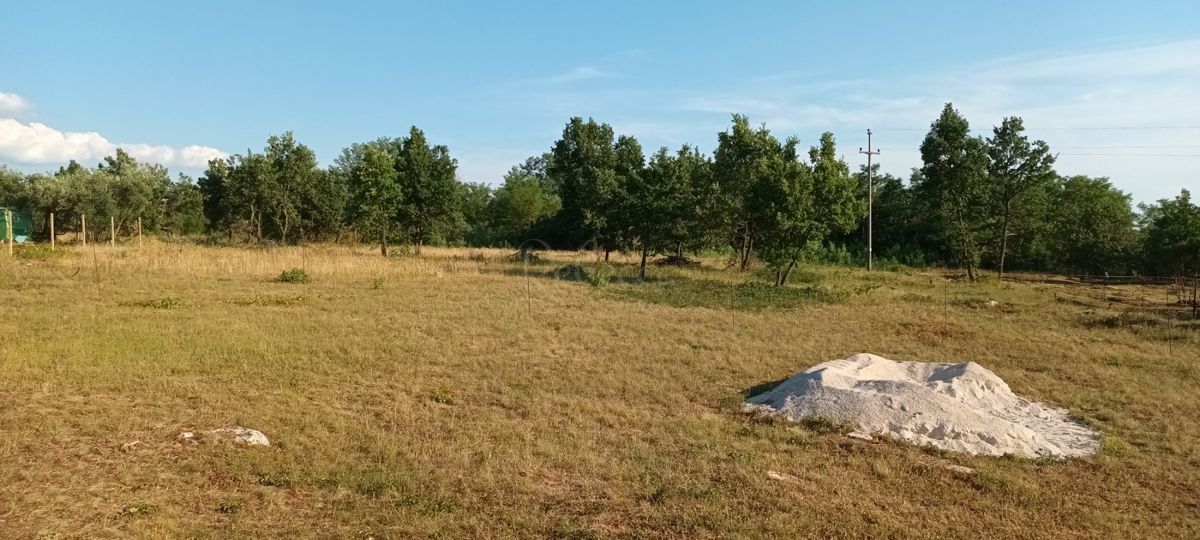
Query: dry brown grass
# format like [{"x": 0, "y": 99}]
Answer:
[{"x": 430, "y": 397}]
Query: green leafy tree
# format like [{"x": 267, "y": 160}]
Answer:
[
  {"x": 1015, "y": 167},
  {"x": 426, "y": 175},
  {"x": 583, "y": 167},
  {"x": 742, "y": 157},
  {"x": 520, "y": 203},
  {"x": 794, "y": 204},
  {"x": 376, "y": 192},
  {"x": 183, "y": 208},
  {"x": 954, "y": 175},
  {"x": 666, "y": 204},
  {"x": 1093, "y": 225},
  {"x": 476, "y": 203},
  {"x": 1172, "y": 235},
  {"x": 214, "y": 190}
]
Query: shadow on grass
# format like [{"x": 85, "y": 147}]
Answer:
[{"x": 762, "y": 388}]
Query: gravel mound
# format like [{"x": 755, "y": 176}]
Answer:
[{"x": 958, "y": 407}]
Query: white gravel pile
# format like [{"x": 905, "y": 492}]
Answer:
[{"x": 959, "y": 407}]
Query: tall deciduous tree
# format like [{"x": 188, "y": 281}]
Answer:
[
  {"x": 375, "y": 191},
  {"x": 1093, "y": 224},
  {"x": 743, "y": 155},
  {"x": 426, "y": 174},
  {"x": 794, "y": 204},
  {"x": 1015, "y": 167},
  {"x": 583, "y": 168},
  {"x": 1172, "y": 235},
  {"x": 520, "y": 203},
  {"x": 954, "y": 175}
]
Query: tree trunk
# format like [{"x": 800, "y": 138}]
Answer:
[
  {"x": 1004, "y": 239},
  {"x": 783, "y": 274},
  {"x": 420, "y": 240},
  {"x": 679, "y": 250},
  {"x": 747, "y": 246},
  {"x": 642, "y": 268},
  {"x": 606, "y": 252},
  {"x": 383, "y": 232}
]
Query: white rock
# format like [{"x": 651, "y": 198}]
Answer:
[
  {"x": 240, "y": 435},
  {"x": 959, "y": 407}
]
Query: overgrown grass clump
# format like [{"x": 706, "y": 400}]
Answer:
[{"x": 295, "y": 275}]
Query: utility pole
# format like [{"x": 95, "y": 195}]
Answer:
[{"x": 870, "y": 203}]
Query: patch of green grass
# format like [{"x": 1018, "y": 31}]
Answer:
[
  {"x": 167, "y": 302},
  {"x": 744, "y": 296},
  {"x": 295, "y": 275},
  {"x": 37, "y": 252}
]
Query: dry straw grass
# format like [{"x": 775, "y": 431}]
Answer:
[{"x": 431, "y": 397}]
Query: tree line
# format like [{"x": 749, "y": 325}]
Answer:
[{"x": 991, "y": 202}]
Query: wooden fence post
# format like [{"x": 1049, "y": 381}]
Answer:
[
  {"x": 83, "y": 228},
  {"x": 51, "y": 231},
  {"x": 139, "y": 231},
  {"x": 112, "y": 231},
  {"x": 8, "y": 221}
]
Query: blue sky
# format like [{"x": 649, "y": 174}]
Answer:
[{"x": 179, "y": 83}]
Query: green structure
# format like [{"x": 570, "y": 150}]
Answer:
[{"x": 22, "y": 224}]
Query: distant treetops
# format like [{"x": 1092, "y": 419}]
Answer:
[{"x": 976, "y": 202}]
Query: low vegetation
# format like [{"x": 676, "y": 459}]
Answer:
[{"x": 462, "y": 400}]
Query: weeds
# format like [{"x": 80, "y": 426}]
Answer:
[{"x": 37, "y": 252}]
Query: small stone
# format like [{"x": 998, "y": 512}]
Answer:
[
  {"x": 959, "y": 469},
  {"x": 129, "y": 445},
  {"x": 992, "y": 303},
  {"x": 240, "y": 435},
  {"x": 187, "y": 436}
]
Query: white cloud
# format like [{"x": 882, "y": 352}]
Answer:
[
  {"x": 578, "y": 74},
  {"x": 12, "y": 105},
  {"x": 38, "y": 144},
  {"x": 1148, "y": 86}
]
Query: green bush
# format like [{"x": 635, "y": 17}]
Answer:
[{"x": 295, "y": 275}]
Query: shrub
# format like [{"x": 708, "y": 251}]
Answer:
[{"x": 295, "y": 275}]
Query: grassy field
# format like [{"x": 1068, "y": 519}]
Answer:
[{"x": 466, "y": 395}]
